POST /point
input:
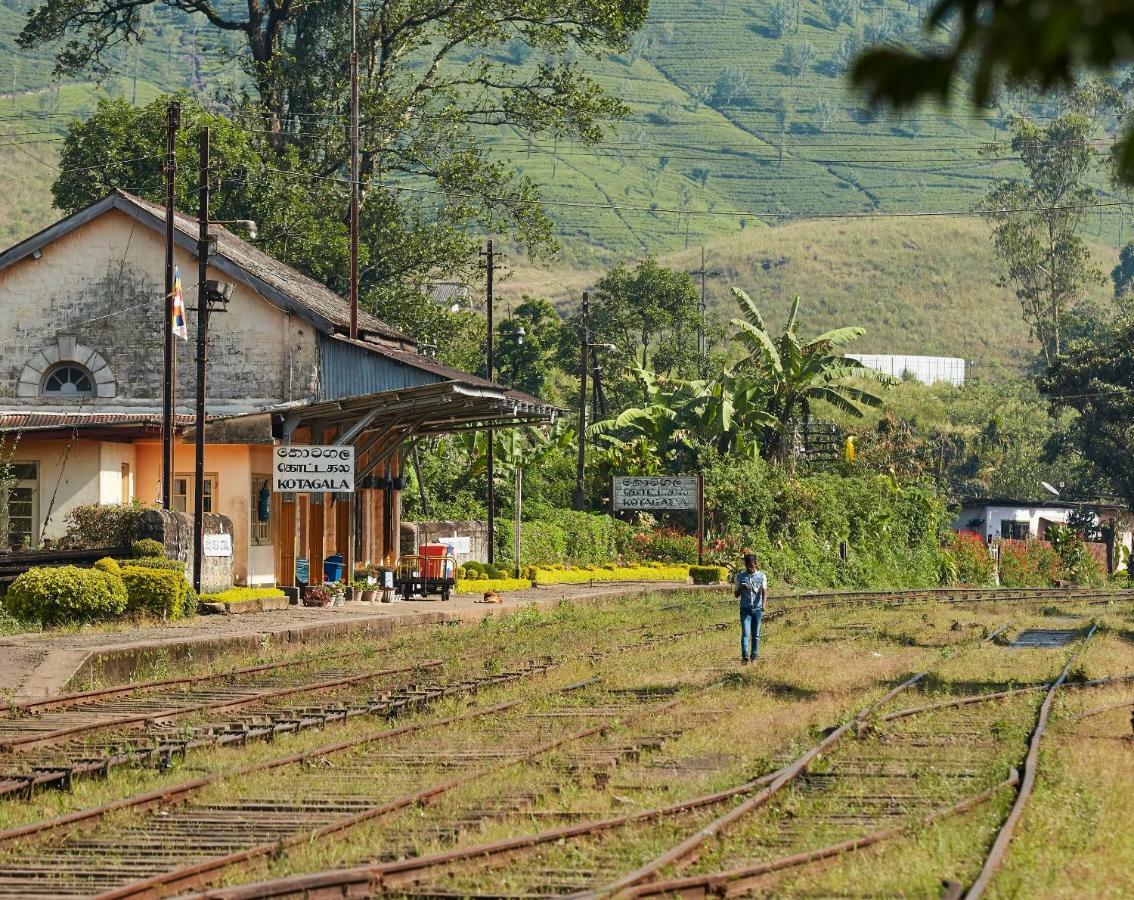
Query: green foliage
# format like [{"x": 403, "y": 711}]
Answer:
[
  {"x": 483, "y": 585},
  {"x": 576, "y": 538},
  {"x": 664, "y": 545},
  {"x": 147, "y": 547},
  {"x": 527, "y": 343},
  {"x": 96, "y": 525},
  {"x": 155, "y": 592},
  {"x": 63, "y": 595},
  {"x": 1076, "y": 563},
  {"x": 1036, "y": 223},
  {"x": 1000, "y": 47},
  {"x": 109, "y": 566},
  {"x": 971, "y": 563},
  {"x": 1029, "y": 563},
  {"x": 793, "y": 374},
  {"x": 708, "y": 574},
  {"x": 242, "y": 595},
  {"x": 1095, "y": 378},
  {"x": 153, "y": 562}
]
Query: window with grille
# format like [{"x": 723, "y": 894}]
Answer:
[
  {"x": 183, "y": 494},
  {"x": 261, "y": 531},
  {"x": 19, "y": 506},
  {"x": 68, "y": 380}
]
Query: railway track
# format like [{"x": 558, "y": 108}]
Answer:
[{"x": 883, "y": 772}]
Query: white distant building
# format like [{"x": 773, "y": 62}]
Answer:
[{"x": 926, "y": 369}]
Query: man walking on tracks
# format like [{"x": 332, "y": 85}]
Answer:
[{"x": 752, "y": 589}]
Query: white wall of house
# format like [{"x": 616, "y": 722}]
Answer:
[
  {"x": 69, "y": 476},
  {"x": 117, "y": 472},
  {"x": 988, "y": 520}
]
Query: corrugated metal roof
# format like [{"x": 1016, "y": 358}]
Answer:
[{"x": 42, "y": 421}]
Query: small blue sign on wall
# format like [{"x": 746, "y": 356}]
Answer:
[{"x": 302, "y": 570}]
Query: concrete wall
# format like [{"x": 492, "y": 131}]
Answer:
[
  {"x": 68, "y": 477},
  {"x": 992, "y": 516},
  {"x": 175, "y": 531},
  {"x": 258, "y": 354}
]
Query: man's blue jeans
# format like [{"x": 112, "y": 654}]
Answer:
[{"x": 750, "y": 620}]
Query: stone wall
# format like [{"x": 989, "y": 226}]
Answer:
[
  {"x": 175, "y": 531},
  {"x": 414, "y": 534}
]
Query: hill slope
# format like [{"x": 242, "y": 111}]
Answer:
[{"x": 920, "y": 286}]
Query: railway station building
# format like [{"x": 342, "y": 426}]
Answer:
[{"x": 82, "y": 312}]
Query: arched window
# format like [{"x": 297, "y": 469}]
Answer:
[{"x": 68, "y": 380}]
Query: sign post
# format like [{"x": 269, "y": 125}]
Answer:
[
  {"x": 666, "y": 493},
  {"x": 313, "y": 469}
]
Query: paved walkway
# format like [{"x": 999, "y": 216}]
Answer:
[{"x": 37, "y": 665}]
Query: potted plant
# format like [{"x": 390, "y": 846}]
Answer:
[
  {"x": 363, "y": 589},
  {"x": 316, "y": 595},
  {"x": 338, "y": 591}
]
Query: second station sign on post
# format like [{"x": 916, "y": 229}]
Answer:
[
  {"x": 305, "y": 468},
  {"x": 662, "y": 493}
]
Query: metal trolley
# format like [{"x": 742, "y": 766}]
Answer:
[{"x": 420, "y": 576}]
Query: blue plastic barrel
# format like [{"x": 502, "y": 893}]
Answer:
[{"x": 333, "y": 568}]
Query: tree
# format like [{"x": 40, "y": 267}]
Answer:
[
  {"x": 779, "y": 18},
  {"x": 643, "y": 312},
  {"x": 839, "y": 12},
  {"x": 433, "y": 83},
  {"x": 526, "y": 358},
  {"x": 1123, "y": 274},
  {"x": 1005, "y": 43},
  {"x": 783, "y": 109},
  {"x": 796, "y": 374},
  {"x": 731, "y": 84},
  {"x": 796, "y": 58},
  {"x": 1096, "y": 378},
  {"x": 1036, "y": 222},
  {"x": 826, "y": 114}
]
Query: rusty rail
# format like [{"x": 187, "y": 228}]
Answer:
[
  {"x": 741, "y": 879},
  {"x": 999, "y": 849}
]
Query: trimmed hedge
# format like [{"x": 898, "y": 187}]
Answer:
[
  {"x": 708, "y": 574},
  {"x": 147, "y": 547},
  {"x": 608, "y": 573},
  {"x": 153, "y": 562},
  {"x": 491, "y": 584},
  {"x": 157, "y": 592},
  {"x": 109, "y": 566},
  {"x": 242, "y": 595},
  {"x": 60, "y": 595}
]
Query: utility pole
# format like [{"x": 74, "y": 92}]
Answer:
[
  {"x": 202, "y": 353},
  {"x": 490, "y": 459},
  {"x": 702, "y": 354},
  {"x": 169, "y": 359},
  {"x": 354, "y": 170},
  {"x": 585, "y": 339}
]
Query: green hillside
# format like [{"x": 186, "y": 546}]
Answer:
[{"x": 921, "y": 286}]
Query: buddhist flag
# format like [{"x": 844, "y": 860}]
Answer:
[{"x": 178, "y": 324}]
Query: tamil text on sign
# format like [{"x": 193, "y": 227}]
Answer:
[
  {"x": 655, "y": 493},
  {"x": 308, "y": 468}
]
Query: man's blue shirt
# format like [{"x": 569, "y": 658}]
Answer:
[{"x": 752, "y": 587}]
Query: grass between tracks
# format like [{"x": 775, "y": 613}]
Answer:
[{"x": 733, "y": 723}]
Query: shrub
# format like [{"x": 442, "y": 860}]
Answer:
[
  {"x": 109, "y": 566},
  {"x": 97, "y": 525},
  {"x": 157, "y": 592},
  {"x": 243, "y": 595},
  {"x": 484, "y": 584},
  {"x": 971, "y": 561},
  {"x": 708, "y": 574},
  {"x": 1029, "y": 563},
  {"x": 647, "y": 572},
  {"x": 153, "y": 562},
  {"x": 147, "y": 547},
  {"x": 666, "y": 545},
  {"x": 66, "y": 594}
]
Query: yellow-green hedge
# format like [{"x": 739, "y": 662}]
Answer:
[
  {"x": 242, "y": 595},
  {"x": 608, "y": 573},
  {"x": 708, "y": 574},
  {"x": 479, "y": 586}
]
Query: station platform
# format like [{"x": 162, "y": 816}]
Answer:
[{"x": 43, "y": 664}]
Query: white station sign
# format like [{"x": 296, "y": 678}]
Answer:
[
  {"x": 218, "y": 545},
  {"x": 655, "y": 493},
  {"x": 306, "y": 468}
]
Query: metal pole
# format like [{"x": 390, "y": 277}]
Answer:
[
  {"x": 700, "y": 520},
  {"x": 491, "y": 457},
  {"x": 701, "y": 319},
  {"x": 518, "y": 513},
  {"x": 169, "y": 357},
  {"x": 354, "y": 170},
  {"x": 580, "y": 483},
  {"x": 202, "y": 353}
]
